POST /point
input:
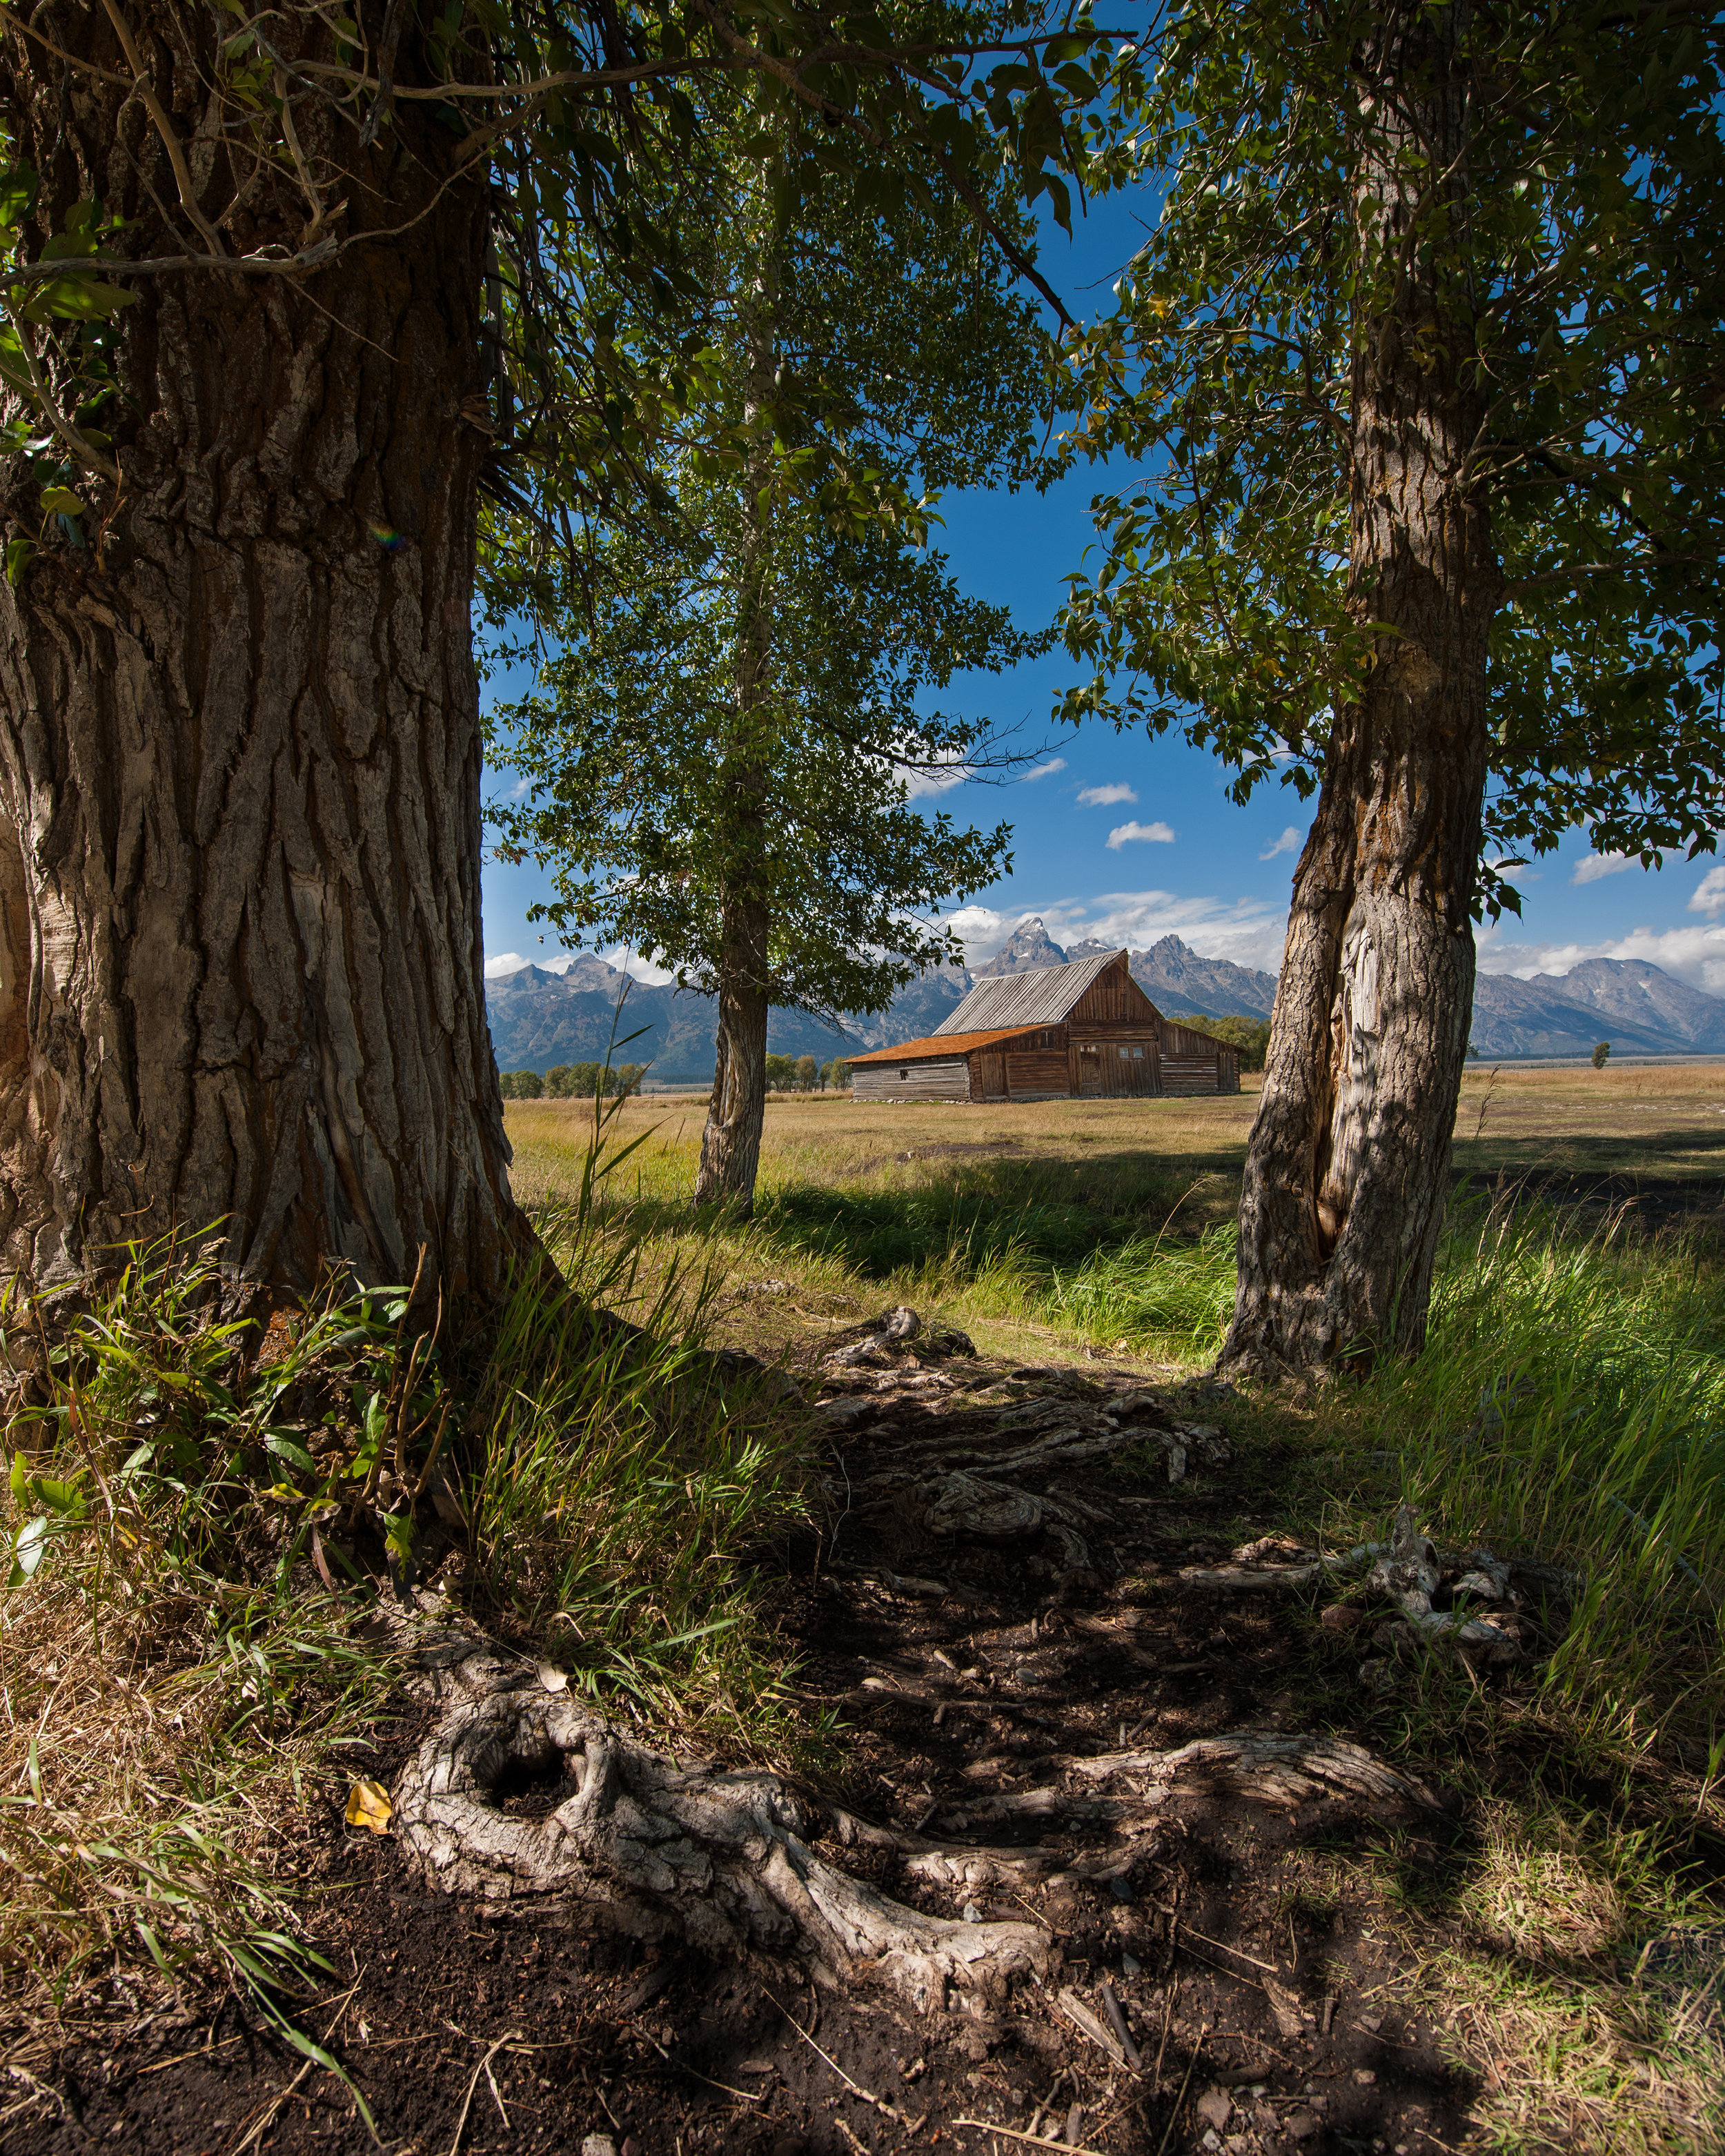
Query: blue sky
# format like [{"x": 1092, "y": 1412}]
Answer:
[{"x": 1127, "y": 838}]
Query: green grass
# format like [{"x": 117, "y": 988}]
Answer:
[{"x": 194, "y": 1520}]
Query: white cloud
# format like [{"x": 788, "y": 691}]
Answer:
[
  {"x": 1105, "y": 796},
  {"x": 1596, "y": 865},
  {"x": 1161, "y": 835},
  {"x": 980, "y": 929},
  {"x": 510, "y": 962},
  {"x": 1044, "y": 770},
  {"x": 1694, "y": 955},
  {"x": 1709, "y": 895},
  {"x": 642, "y": 969},
  {"x": 1288, "y": 843}
]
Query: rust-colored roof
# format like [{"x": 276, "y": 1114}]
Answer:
[{"x": 944, "y": 1044}]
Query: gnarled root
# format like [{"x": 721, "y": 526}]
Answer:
[{"x": 655, "y": 1850}]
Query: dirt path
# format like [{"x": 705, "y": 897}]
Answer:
[{"x": 1229, "y": 1977}]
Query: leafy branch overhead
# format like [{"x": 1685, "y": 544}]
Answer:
[
  {"x": 1565, "y": 273},
  {"x": 578, "y": 122}
]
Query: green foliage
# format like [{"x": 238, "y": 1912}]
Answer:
[
  {"x": 1249, "y": 1035},
  {"x": 739, "y": 716},
  {"x": 197, "y": 1527},
  {"x": 1575, "y": 272},
  {"x": 521, "y": 1084},
  {"x": 587, "y": 1081},
  {"x": 835, "y": 1074},
  {"x": 1602, "y": 1054}
]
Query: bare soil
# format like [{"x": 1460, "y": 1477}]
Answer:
[{"x": 1251, "y": 1950}]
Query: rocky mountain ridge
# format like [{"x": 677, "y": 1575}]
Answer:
[{"x": 540, "y": 1018}]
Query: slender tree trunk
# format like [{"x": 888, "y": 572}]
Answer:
[
  {"x": 240, "y": 970},
  {"x": 1348, "y": 1171},
  {"x": 731, "y": 1144}
]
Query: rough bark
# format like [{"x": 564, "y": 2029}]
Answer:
[
  {"x": 519, "y": 1793},
  {"x": 240, "y": 966},
  {"x": 655, "y": 1848},
  {"x": 731, "y": 1144},
  {"x": 1347, "y": 1170}
]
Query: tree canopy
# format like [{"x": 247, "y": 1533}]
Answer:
[{"x": 1569, "y": 264}]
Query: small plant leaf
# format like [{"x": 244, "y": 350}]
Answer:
[
  {"x": 61, "y": 501},
  {"x": 29, "y": 1550},
  {"x": 18, "y": 191},
  {"x": 368, "y": 1805},
  {"x": 552, "y": 1678}
]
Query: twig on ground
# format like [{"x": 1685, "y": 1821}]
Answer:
[
  {"x": 1035, "y": 2140},
  {"x": 747, "y": 2095},
  {"x": 1167, "y": 2015},
  {"x": 868, "y": 2096},
  {"x": 1134, "y": 2057},
  {"x": 511, "y": 2036},
  {"x": 1191, "y": 2067},
  {"x": 1268, "y": 1965},
  {"x": 266, "y": 2116}
]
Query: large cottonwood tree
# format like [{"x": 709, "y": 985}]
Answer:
[
  {"x": 276, "y": 286},
  {"x": 1422, "y": 369}
]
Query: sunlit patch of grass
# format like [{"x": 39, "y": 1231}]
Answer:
[
  {"x": 1585, "y": 1979},
  {"x": 172, "y": 1687}
]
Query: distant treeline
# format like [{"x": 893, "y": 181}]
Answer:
[
  {"x": 1249, "y": 1035},
  {"x": 573, "y": 1082},
  {"x": 802, "y": 1073}
]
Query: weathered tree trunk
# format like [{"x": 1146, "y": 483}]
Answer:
[
  {"x": 731, "y": 1144},
  {"x": 1348, "y": 1171},
  {"x": 240, "y": 973}
]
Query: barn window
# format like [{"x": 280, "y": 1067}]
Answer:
[{"x": 904, "y": 1074}]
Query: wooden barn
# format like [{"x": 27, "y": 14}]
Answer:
[{"x": 1082, "y": 1032}]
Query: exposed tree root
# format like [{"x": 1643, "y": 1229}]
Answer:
[
  {"x": 1274, "y": 1766},
  {"x": 655, "y": 1848}
]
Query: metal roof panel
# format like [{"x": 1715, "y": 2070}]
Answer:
[{"x": 1041, "y": 995}]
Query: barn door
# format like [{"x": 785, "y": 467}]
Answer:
[
  {"x": 990, "y": 1076},
  {"x": 1090, "y": 1069}
]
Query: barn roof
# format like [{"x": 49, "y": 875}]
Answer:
[
  {"x": 1041, "y": 995},
  {"x": 943, "y": 1044}
]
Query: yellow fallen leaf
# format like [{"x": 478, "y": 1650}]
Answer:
[
  {"x": 552, "y": 1678},
  {"x": 368, "y": 1805}
]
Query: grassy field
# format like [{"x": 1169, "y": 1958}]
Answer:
[
  {"x": 163, "y": 1504},
  {"x": 1074, "y": 1223},
  {"x": 1570, "y": 1404}
]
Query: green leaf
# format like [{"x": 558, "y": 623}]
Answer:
[
  {"x": 76, "y": 299},
  {"x": 17, "y": 192},
  {"x": 28, "y": 1549},
  {"x": 61, "y": 501},
  {"x": 284, "y": 1448}
]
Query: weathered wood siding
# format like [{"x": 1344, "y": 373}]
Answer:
[
  {"x": 1192, "y": 1062},
  {"x": 1113, "y": 998},
  {"x": 1121, "y": 1063},
  {"x": 911, "y": 1081},
  {"x": 1037, "y": 1075},
  {"x": 988, "y": 1075}
]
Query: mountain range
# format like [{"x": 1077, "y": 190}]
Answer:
[{"x": 540, "y": 1019}]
